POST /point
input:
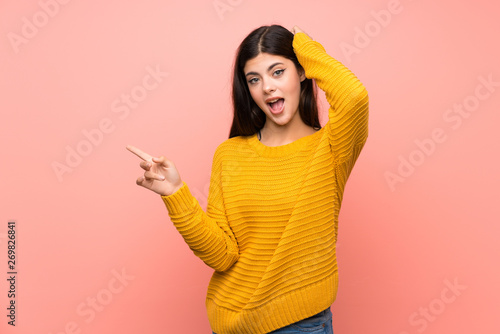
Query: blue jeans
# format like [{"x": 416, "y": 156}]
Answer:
[{"x": 320, "y": 323}]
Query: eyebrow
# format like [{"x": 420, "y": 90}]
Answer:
[{"x": 268, "y": 69}]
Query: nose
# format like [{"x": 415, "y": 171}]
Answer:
[{"x": 269, "y": 86}]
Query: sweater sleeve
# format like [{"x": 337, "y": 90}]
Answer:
[
  {"x": 208, "y": 234},
  {"x": 347, "y": 126}
]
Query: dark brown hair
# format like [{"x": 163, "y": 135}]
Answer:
[{"x": 248, "y": 118}]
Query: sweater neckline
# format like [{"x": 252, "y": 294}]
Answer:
[{"x": 281, "y": 150}]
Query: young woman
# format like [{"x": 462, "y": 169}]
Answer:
[{"x": 276, "y": 187}]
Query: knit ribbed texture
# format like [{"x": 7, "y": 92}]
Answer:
[{"x": 271, "y": 223}]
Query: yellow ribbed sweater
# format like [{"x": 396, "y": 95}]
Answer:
[{"x": 271, "y": 222}]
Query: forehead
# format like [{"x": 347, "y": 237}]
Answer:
[{"x": 261, "y": 63}]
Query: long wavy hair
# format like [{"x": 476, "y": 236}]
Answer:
[{"x": 248, "y": 118}]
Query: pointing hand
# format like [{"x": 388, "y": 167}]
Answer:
[{"x": 160, "y": 174}]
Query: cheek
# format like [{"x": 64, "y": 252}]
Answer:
[
  {"x": 293, "y": 89},
  {"x": 255, "y": 95}
]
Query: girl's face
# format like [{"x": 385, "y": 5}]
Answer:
[{"x": 274, "y": 84}]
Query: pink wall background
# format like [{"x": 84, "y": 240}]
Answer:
[{"x": 97, "y": 254}]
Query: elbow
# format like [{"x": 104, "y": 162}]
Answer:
[
  {"x": 361, "y": 101},
  {"x": 357, "y": 98},
  {"x": 360, "y": 104},
  {"x": 226, "y": 263},
  {"x": 361, "y": 94}
]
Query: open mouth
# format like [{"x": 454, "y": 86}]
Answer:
[{"x": 276, "y": 106}]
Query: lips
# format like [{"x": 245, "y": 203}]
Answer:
[{"x": 276, "y": 104}]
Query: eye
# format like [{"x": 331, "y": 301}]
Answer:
[
  {"x": 279, "y": 72},
  {"x": 253, "y": 81}
]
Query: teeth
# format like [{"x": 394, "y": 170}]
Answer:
[{"x": 273, "y": 101}]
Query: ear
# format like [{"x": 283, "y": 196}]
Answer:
[{"x": 302, "y": 75}]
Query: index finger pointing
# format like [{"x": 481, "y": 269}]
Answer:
[{"x": 143, "y": 155}]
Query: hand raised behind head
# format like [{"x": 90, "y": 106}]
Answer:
[{"x": 296, "y": 29}]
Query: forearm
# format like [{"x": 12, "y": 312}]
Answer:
[
  {"x": 206, "y": 234},
  {"x": 348, "y": 98}
]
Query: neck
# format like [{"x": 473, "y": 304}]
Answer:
[{"x": 282, "y": 135}]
